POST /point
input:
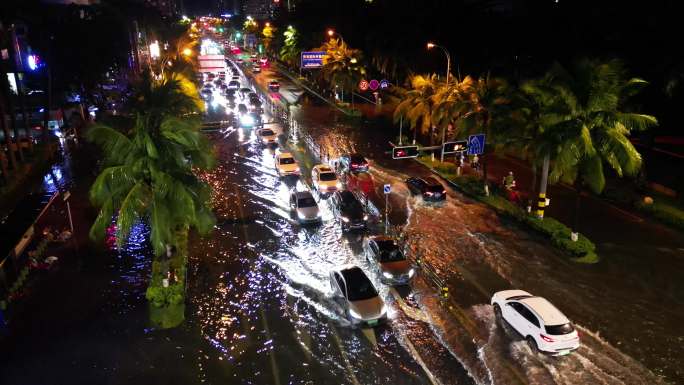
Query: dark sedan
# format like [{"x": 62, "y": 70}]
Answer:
[
  {"x": 349, "y": 210},
  {"x": 429, "y": 188},
  {"x": 353, "y": 163}
]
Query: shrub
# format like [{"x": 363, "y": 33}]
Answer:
[
  {"x": 160, "y": 296},
  {"x": 663, "y": 211}
]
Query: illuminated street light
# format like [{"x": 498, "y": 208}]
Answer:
[
  {"x": 353, "y": 60},
  {"x": 187, "y": 52},
  {"x": 154, "y": 49}
]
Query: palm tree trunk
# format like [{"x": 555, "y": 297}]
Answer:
[
  {"x": 530, "y": 199},
  {"x": 578, "y": 201},
  {"x": 543, "y": 185}
]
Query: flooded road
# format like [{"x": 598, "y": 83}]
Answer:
[{"x": 628, "y": 318}]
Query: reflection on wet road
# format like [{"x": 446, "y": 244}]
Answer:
[{"x": 262, "y": 295}]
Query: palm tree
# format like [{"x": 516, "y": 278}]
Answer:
[
  {"x": 486, "y": 106},
  {"x": 452, "y": 104},
  {"x": 418, "y": 104},
  {"x": 149, "y": 171},
  {"x": 583, "y": 125},
  {"x": 342, "y": 65},
  {"x": 290, "y": 51}
]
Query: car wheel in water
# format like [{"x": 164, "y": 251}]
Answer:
[{"x": 532, "y": 344}]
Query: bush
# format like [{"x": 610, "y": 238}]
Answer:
[
  {"x": 560, "y": 236},
  {"x": 662, "y": 210},
  {"x": 160, "y": 296}
]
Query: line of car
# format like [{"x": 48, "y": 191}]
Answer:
[{"x": 540, "y": 323}]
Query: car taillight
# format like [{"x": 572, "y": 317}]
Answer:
[
  {"x": 355, "y": 165},
  {"x": 443, "y": 191},
  {"x": 428, "y": 193},
  {"x": 546, "y": 338}
]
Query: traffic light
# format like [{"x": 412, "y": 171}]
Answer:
[
  {"x": 404, "y": 152},
  {"x": 453, "y": 147}
]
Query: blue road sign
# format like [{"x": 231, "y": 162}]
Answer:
[
  {"x": 476, "y": 144},
  {"x": 312, "y": 59},
  {"x": 387, "y": 188},
  {"x": 384, "y": 83}
]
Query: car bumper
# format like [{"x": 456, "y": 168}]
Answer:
[
  {"x": 559, "y": 351},
  {"x": 354, "y": 226},
  {"x": 309, "y": 221},
  {"x": 432, "y": 198},
  {"x": 369, "y": 322},
  {"x": 403, "y": 279}
]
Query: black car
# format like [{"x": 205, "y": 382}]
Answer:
[
  {"x": 349, "y": 210},
  {"x": 429, "y": 188},
  {"x": 234, "y": 84},
  {"x": 245, "y": 91},
  {"x": 255, "y": 102},
  {"x": 353, "y": 163}
]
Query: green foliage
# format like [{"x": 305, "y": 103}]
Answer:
[
  {"x": 342, "y": 65},
  {"x": 665, "y": 211},
  {"x": 160, "y": 296},
  {"x": 150, "y": 168},
  {"x": 580, "y": 123}
]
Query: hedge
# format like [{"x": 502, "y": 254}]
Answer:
[{"x": 661, "y": 210}]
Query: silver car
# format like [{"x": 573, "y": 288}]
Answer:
[
  {"x": 363, "y": 304},
  {"x": 305, "y": 207}
]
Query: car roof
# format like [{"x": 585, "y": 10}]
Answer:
[
  {"x": 285, "y": 155},
  {"x": 303, "y": 194},
  {"x": 356, "y": 156},
  {"x": 323, "y": 168},
  {"x": 549, "y": 314}
]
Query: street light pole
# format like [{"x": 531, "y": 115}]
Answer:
[{"x": 448, "y": 56}]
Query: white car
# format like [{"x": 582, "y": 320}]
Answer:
[
  {"x": 286, "y": 164},
  {"x": 324, "y": 179},
  {"x": 362, "y": 302},
  {"x": 543, "y": 326},
  {"x": 304, "y": 205},
  {"x": 267, "y": 136}
]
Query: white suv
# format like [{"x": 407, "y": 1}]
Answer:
[
  {"x": 543, "y": 326},
  {"x": 324, "y": 179}
]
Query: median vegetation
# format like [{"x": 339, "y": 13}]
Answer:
[{"x": 582, "y": 250}]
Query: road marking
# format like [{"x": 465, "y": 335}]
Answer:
[
  {"x": 271, "y": 354},
  {"x": 347, "y": 364}
]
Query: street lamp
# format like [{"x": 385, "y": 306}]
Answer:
[
  {"x": 430, "y": 46},
  {"x": 331, "y": 32}
]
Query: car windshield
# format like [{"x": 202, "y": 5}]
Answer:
[
  {"x": 287, "y": 160},
  {"x": 350, "y": 203},
  {"x": 558, "y": 330},
  {"x": 389, "y": 251},
  {"x": 359, "y": 287},
  {"x": 266, "y": 132},
  {"x": 328, "y": 176},
  {"x": 306, "y": 202}
]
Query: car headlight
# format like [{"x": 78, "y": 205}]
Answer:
[
  {"x": 345, "y": 219},
  {"x": 338, "y": 185},
  {"x": 246, "y": 120},
  {"x": 355, "y": 314},
  {"x": 412, "y": 272},
  {"x": 384, "y": 309},
  {"x": 365, "y": 217},
  {"x": 300, "y": 215},
  {"x": 318, "y": 214},
  {"x": 387, "y": 275}
]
